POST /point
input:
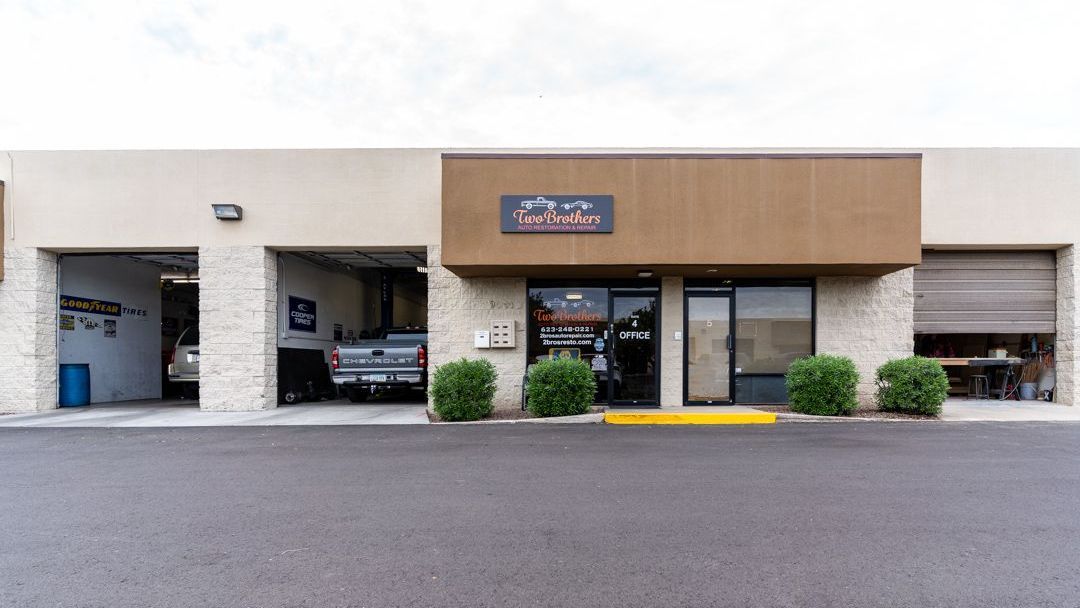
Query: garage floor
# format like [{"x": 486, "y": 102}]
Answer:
[{"x": 178, "y": 413}]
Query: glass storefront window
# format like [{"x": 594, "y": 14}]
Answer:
[
  {"x": 612, "y": 329},
  {"x": 570, "y": 323},
  {"x": 773, "y": 327},
  {"x": 567, "y": 322}
]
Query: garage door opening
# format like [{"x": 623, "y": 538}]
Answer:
[
  {"x": 343, "y": 300},
  {"x": 990, "y": 318},
  {"x": 127, "y": 328}
]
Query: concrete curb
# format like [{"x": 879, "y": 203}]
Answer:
[
  {"x": 593, "y": 418},
  {"x": 789, "y": 417}
]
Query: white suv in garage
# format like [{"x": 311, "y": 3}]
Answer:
[{"x": 184, "y": 363}]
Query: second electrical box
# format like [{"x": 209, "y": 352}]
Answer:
[{"x": 502, "y": 334}]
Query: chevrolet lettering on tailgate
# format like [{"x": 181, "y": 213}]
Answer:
[{"x": 354, "y": 361}]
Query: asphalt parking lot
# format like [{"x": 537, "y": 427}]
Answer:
[{"x": 930, "y": 514}]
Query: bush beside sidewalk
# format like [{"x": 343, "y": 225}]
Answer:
[
  {"x": 464, "y": 391},
  {"x": 826, "y": 385}
]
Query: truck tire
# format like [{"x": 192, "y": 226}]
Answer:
[{"x": 356, "y": 395}]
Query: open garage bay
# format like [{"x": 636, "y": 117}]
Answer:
[{"x": 348, "y": 299}]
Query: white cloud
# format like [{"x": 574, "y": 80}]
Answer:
[{"x": 538, "y": 73}]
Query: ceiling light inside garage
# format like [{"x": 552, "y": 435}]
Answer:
[{"x": 179, "y": 276}]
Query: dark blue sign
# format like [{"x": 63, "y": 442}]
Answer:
[
  {"x": 301, "y": 314},
  {"x": 557, "y": 212},
  {"x": 90, "y": 305}
]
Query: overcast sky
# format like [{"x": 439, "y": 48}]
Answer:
[{"x": 302, "y": 73}]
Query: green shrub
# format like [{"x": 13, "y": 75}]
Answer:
[
  {"x": 823, "y": 385},
  {"x": 560, "y": 387},
  {"x": 914, "y": 385},
  {"x": 464, "y": 390}
]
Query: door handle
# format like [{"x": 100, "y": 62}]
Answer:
[{"x": 730, "y": 342}]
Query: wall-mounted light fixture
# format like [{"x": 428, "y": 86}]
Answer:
[
  {"x": 644, "y": 273},
  {"x": 228, "y": 211}
]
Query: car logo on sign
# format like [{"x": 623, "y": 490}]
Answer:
[
  {"x": 584, "y": 205},
  {"x": 538, "y": 202}
]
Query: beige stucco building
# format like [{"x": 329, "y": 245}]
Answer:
[{"x": 681, "y": 276}]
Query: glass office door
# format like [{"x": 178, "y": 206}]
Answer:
[
  {"x": 633, "y": 378},
  {"x": 709, "y": 346}
]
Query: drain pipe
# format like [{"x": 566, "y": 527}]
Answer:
[
  {"x": 11, "y": 216},
  {"x": 57, "y": 336},
  {"x": 281, "y": 296}
]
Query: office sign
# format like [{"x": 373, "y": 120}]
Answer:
[
  {"x": 301, "y": 314},
  {"x": 557, "y": 212}
]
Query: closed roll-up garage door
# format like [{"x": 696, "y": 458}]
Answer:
[{"x": 964, "y": 292}]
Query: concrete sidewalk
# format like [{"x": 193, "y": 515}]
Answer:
[
  {"x": 176, "y": 413},
  {"x": 963, "y": 410},
  {"x": 187, "y": 414},
  {"x": 992, "y": 410}
]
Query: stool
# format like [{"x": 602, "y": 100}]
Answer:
[{"x": 978, "y": 386}]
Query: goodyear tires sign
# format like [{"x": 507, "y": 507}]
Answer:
[{"x": 90, "y": 305}]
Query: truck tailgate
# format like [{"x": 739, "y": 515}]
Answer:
[{"x": 385, "y": 358}]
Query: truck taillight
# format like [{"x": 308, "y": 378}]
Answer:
[
  {"x": 334, "y": 361},
  {"x": 172, "y": 356},
  {"x": 421, "y": 356}
]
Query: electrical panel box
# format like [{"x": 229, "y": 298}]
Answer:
[
  {"x": 481, "y": 339},
  {"x": 502, "y": 334}
]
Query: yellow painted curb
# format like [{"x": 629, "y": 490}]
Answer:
[{"x": 611, "y": 417}]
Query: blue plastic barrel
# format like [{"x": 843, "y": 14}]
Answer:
[{"x": 74, "y": 384}]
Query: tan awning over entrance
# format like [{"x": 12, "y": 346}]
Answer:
[{"x": 690, "y": 215}]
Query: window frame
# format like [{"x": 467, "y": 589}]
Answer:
[
  {"x": 618, "y": 287},
  {"x": 730, "y": 286},
  {"x": 735, "y": 326}
]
